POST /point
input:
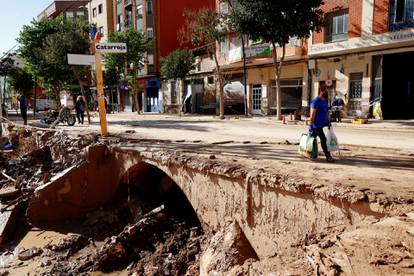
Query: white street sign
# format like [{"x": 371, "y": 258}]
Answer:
[
  {"x": 81, "y": 59},
  {"x": 111, "y": 48}
]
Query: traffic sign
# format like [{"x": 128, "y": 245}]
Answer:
[
  {"x": 105, "y": 48},
  {"x": 81, "y": 59}
]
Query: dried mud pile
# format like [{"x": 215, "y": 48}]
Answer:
[{"x": 129, "y": 236}]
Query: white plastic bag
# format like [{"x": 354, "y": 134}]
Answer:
[{"x": 332, "y": 141}]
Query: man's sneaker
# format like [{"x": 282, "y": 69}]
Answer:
[{"x": 330, "y": 159}]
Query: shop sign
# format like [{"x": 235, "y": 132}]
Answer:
[
  {"x": 254, "y": 51},
  {"x": 355, "y": 44}
]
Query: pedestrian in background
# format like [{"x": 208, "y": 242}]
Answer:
[
  {"x": 23, "y": 108},
  {"x": 320, "y": 119},
  {"x": 80, "y": 109},
  {"x": 337, "y": 106}
]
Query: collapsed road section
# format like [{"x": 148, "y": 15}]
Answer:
[{"x": 117, "y": 206}]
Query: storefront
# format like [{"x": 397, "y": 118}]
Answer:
[
  {"x": 151, "y": 100},
  {"x": 347, "y": 77},
  {"x": 262, "y": 90}
]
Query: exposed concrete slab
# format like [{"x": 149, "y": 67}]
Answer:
[{"x": 8, "y": 222}]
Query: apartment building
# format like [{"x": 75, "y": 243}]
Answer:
[
  {"x": 365, "y": 54},
  {"x": 159, "y": 20},
  {"x": 69, "y": 8},
  {"x": 101, "y": 14}
]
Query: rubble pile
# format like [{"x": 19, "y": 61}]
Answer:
[
  {"x": 155, "y": 245},
  {"x": 128, "y": 235},
  {"x": 35, "y": 157}
]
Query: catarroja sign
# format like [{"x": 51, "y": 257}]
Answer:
[{"x": 105, "y": 48}]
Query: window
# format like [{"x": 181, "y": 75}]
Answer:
[
  {"x": 173, "y": 92},
  {"x": 94, "y": 12},
  {"x": 399, "y": 10},
  {"x": 150, "y": 33},
  {"x": 337, "y": 28},
  {"x": 80, "y": 14},
  {"x": 139, "y": 11},
  {"x": 149, "y": 7},
  {"x": 100, "y": 9},
  {"x": 101, "y": 31},
  {"x": 355, "y": 93},
  {"x": 70, "y": 14},
  {"x": 150, "y": 59}
]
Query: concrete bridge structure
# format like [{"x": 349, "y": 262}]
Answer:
[{"x": 274, "y": 209}]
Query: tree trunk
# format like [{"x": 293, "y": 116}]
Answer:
[
  {"x": 278, "y": 73},
  {"x": 246, "y": 112},
  {"x": 180, "y": 98},
  {"x": 34, "y": 99},
  {"x": 136, "y": 102},
  {"x": 1, "y": 101},
  {"x": 219, "y": 79}
]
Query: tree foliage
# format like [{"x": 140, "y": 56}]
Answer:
[
  {"x": 137, "y": 46},
  {"x": 275, "y": 22},
  {"x": 177, "y": 64},
  {"x": 32, "y": 50},
  {"x": 22, "y": 82},
  {"x": 7, "y": 65},
  {"x": 206, "y": 27}
]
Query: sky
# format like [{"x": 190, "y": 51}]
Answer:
[{"x": 13, "y": 15}]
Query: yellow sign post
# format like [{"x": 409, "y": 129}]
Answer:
[
  {"x": 101, "y": 95},
  {"x": 102, "y": 48}
]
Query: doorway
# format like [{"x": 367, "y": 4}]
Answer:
[
  {"x": 257, "y": 99},
  {"x": 398, "y": 86}
]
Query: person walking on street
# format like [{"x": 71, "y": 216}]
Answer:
[
  {"x": 337, "y": 106},
  {"x": 319, "y": 119},
  {"x": 80, "y": 109},
  {"x": 23, "y": 108}
]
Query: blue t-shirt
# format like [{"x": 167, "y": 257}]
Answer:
[
  {"x": 322, "y": 117},
  {"x": 23, "y": 103}
]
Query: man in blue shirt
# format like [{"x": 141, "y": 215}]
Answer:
[
  {"x": 23, "y": 108},
  {"x": 320, "y": 119}
]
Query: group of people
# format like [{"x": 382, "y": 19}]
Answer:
[{"x": 80, "y": 107}]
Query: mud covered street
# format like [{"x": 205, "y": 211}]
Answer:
[{"x": 84, "y": 205}]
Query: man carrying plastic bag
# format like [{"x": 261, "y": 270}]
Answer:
[
  {"x": 319, "y": 119},
  {"x": 308, "y": 146}
]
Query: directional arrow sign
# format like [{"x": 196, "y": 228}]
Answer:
[
  {"x": 105, "y": 48},
  {"x": 81, "y": 59}
]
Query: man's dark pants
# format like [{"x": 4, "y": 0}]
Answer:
[
  {"x": 319, "y": 132},
  {"x": 23, "y": 111}
]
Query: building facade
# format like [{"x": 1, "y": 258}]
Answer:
[
  {"x": 67, "y": 8},
  {"x": 159, "y": 21},
  {"x": 364, "y": 56},
  {"x": 101, "y": 14}
]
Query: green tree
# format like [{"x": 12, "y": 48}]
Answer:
[
  {"x": 71, "y": 37},
  {"x": 177, "y": 65},
  {"x": 22, "y": 82},
  {"x": 127, "y": 64},
  {"x": 7, "y": 68},
  {"x": 32, "y": 39},
  {"x": 276, "y": 21},
  {"x": 206, "y": 27}
]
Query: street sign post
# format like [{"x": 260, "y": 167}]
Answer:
[
  {"x": 81, "y": 59},
  {"x": 104, "y": 48}
]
